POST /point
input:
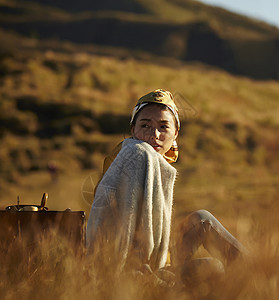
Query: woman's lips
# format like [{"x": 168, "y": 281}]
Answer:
[{"x": 156, "y": 147}]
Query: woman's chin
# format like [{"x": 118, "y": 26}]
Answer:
[{"x": 158, "y": 149}]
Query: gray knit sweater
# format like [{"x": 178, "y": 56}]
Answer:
[{"x": 131, "y": 212}]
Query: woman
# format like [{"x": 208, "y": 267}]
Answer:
[{"x": 130, "y": 219}]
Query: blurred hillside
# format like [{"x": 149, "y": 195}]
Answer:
[
  {"x": 186, "y": 30},
  {"x": 68, "y": 101},
  {"x": 73, "y": 107}
]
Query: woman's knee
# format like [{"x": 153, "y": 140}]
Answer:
[
  {"x": 203, "y": 215},
  {"x": 190, "y": 233},
  {"x": 198, "y": 217}
]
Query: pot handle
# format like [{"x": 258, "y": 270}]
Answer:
[{"x": 44, "y": 200}]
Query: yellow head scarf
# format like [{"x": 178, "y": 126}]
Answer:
[{"x": 161, "y": 97}]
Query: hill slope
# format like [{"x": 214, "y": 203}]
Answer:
[
  {"x": 73, "y": 107},
  {"x": 185, "y": 30},
  {"x": 70, "y": 102}
]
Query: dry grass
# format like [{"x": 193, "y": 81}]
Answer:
[{"x": 49, "y": 268}]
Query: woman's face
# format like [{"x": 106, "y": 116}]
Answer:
[{"x": 156, "y": 126}]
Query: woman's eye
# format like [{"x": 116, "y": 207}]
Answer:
[
  {"x": 144, "y": 126},
  {"x": 164, "y": 126}
]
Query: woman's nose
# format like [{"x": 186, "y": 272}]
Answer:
[{"x": 155, "y": 133}]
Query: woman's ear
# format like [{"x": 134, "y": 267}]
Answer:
[
  {"x": 176, "y": 134},
  {"x": 132, "y": 130}
]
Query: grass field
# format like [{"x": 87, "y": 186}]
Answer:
[{"x": 73, "y": 107}]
